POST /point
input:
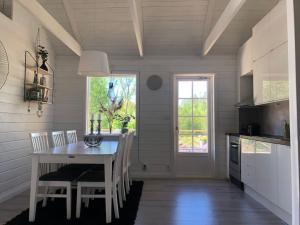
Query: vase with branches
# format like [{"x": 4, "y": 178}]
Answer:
[{"x": 114, "y": 104}]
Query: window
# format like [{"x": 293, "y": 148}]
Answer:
[
  {"x": 192, "y": 115},
  {"x": 116, "y": 97}
]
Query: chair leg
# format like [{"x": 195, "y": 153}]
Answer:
[
  {"x": 69, "y": 190},
  {"x": 45, "y": 198},
  {"x": 129, "y": 177},
  {"x": 115, "y": 201},
  {"x": 78, "y": 201},
  {"x": 120, "y": 195},
  {"x": 122, "y": 183},
  {"x": 87, "y": 200},
  {"x": 127, "y": 182}
]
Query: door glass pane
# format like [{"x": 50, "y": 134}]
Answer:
[
  {"x": 185, "y": 107},
  {"x": 185, "y": 125},
  {"x": 200, "y": 143},
  {"x": 200, "y": 125},
  {"x": 192, "y": 115},
  {"x": 200, "y": 107},
  {"x": 200, "y": 89},
  {"x": 185, "y": 89},
  {"x": 185, "y": 143}
]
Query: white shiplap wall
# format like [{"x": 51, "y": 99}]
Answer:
[
  {"x": 155, "y": 139},
  {"x": 17, "y": 36}
]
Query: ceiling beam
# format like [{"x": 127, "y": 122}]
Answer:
[
  {"x": 51, "y": 24},
  {"x": 71, "y": 17},
  {"x": 136, "y": 16},
  {"x": 223, "y": 22}
]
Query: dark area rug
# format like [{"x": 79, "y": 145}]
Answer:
[{"x": 55, "y": 212}]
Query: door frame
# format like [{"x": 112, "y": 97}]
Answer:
[{"x": 211, "y": 122}]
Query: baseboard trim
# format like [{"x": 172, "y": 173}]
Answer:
[
  {"x": 14, "y": 191},
  {"x": 285, "y": 216}
]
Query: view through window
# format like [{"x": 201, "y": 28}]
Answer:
[
  {"x": 193, "y": 116},
  {"x": 115, "y": 97}
]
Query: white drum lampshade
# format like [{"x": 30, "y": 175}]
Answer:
[{"x": 93, "y": 64}]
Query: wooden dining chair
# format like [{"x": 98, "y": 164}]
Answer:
[
  {"x": 49, "y": 178},
  {"x": 58, "y": 139},
  {"x": 95, "y": 179},
  {"x": 72, "y": 136},
  {"x": 126, "y": 178}
]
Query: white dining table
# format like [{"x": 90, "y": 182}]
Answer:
[{"x": 77, "y": 153}]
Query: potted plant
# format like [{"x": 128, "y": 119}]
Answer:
[{"x": 124, "y": 119}]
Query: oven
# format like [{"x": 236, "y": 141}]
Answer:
[{"x": 235, "y": 160}]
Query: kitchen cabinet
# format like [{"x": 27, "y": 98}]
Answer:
[
  {"x": 278, "y": 73},
  {"x": 265, "y": 165},
  {"x": 261, "y": 81},
  {"x": 248, "y": 162},
  {"x": 284, "y": 181},
  {"x": 270, "y": 77},
  {"x": 270, "y": 57},
  {"x": 266, "y": 169},
  {"x": 271, "y": 31},
  {"x": 245, "y": 61}
]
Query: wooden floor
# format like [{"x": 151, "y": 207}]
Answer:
[{"x": 182, "y": 202}]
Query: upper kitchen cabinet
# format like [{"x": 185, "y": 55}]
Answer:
[
  {"x": 270, "y": 57},
  {"x": 261, "y": 81},
  {"x": 279, "y": 77},
  {"x": 245, "y": 59},
  {"x": 270, "y": 32}
]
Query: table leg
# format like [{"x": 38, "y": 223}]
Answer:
[
  {"x": 108, "y": 188},
  {"x": 33, "y": 188}
]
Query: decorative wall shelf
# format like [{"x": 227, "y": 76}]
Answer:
[{"x": 34, "y": 89}]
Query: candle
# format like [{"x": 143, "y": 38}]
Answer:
[
  {"x": 93, "y": 116},
  {"x": 99, "y": 116}
]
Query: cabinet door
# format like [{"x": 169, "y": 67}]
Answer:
[
  {"x": 244, "y": 160},
  {"x": 266, "y": 164},
  {"x": 248, "y": 162},
  {"x": 279, "y": 76},
  {"x": 284, "y": 178},
  {"x": 261, "y": 81},
  {"x": 278, "y": 25},
  {"x": 261, "y": 38}
]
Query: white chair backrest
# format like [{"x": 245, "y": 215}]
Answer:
[
  {"x": 72, "y": 136},
  {"x": 118, "y": 161},
  {"x": 129, "y": 149},
  {"x": 58, "y": 138},
  {"x": 39, "y": 141}
]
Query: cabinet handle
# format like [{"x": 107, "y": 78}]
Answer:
[{"x": 71, "y": 156}]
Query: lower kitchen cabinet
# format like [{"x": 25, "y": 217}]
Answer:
[
  {"x": 284, "y": 177},
  {"x": 266, "y": 169},
  {"x": 248, "y": 162},
  {"x": 265, "y": 165}
]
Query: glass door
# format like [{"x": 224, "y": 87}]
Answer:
[{"x": 192, "y": 116}]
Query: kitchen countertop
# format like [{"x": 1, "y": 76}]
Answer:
[
  {"x": 268, "y": 139},
  {"x": 264, "y": 138}
]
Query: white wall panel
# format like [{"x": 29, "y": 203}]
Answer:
[{"x": 18, "y": 35}]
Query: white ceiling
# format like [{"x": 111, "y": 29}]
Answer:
[{"x": 170, "y": 27}]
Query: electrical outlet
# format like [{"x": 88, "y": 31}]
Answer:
[{"x": 144, "y": 167}]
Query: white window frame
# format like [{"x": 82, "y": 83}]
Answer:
[
  {"x": 211, "y": 114},
  {"x": 116, "y": 74}
]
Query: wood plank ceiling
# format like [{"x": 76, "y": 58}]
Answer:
[{"x": 170, "y": 27}]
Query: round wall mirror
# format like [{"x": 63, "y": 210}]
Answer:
[
  {"x": 4, "y": 65},
  {"x": 154, "y": 82}
]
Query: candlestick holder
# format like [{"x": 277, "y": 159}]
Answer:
[
  {"x": 99, "y": 126},
  {"x": 92, "y": 126}
]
